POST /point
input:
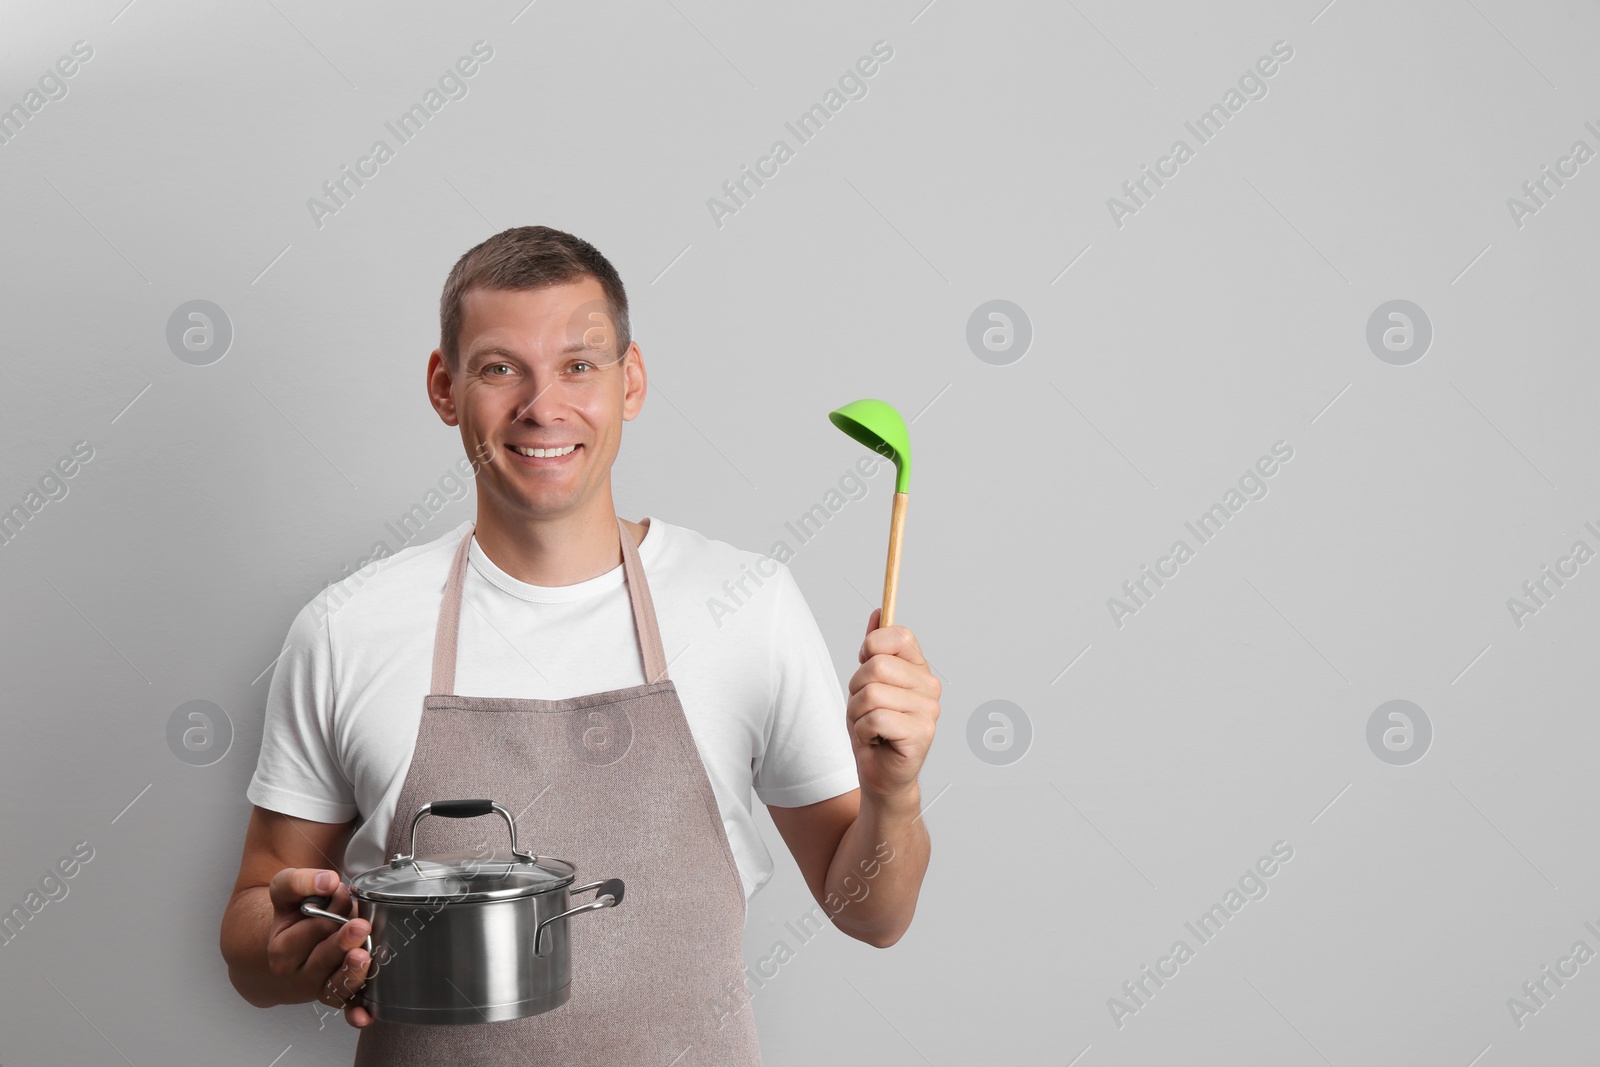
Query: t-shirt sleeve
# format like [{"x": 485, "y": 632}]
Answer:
[
  {"x": 297, "y": 772},
  {"x": 807, "y": 756}
]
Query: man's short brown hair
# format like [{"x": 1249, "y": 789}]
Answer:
[{"x": 528, "y": 257}]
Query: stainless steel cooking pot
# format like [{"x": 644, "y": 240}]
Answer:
[{"x": 467, "y": 937}]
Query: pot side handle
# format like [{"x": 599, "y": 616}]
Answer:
[
  {"x": 608, "y": 895},
  {"x": 317, "y": 908}
]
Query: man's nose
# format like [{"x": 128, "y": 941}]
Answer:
[{"x": 543, "y": 400}]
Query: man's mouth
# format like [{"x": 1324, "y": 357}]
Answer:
[{"x": 543, "y": 453}]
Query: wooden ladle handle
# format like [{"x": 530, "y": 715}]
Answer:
[{"x": 891, "y": 574}]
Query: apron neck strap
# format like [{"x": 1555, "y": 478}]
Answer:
[{"x": 644, "y": 616}]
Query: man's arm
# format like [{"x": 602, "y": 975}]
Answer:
[
  {"x": 274, "y": 954},
  {"x": 864, "y": 853},
  {"x": 864, "y": 862}
]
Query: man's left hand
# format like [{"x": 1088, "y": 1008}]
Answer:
[{"x": 895, "y": 696}]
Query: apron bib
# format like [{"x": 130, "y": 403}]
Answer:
[{"x": 611, "y": 782}]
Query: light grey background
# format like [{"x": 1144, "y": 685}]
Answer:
[{"x": 1228, "y": 314}]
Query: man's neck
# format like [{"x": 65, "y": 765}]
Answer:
[{"x": 563, "y": 550}]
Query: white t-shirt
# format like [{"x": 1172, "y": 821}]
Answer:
[{"x": 764, "y": 706}]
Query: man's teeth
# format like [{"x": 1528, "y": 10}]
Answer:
[{"x": 542, "y": 453}]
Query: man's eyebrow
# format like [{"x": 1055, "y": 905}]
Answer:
[{"x": 498, "y": 350}]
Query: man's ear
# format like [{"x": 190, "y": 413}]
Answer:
[
  {"x": 634, "y": 379},
  {"x": 440, "y": 386}
]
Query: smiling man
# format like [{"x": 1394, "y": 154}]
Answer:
[{"x": 524, "y": 657}]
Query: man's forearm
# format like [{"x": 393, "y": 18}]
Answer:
[
  {"x": 877, "y": 869},
  {"x": 244, "y": 947}
]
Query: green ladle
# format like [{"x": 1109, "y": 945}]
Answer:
[{"x": 880, "y": 427}]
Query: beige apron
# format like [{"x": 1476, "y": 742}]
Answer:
[{"x": 611, "y": 782}]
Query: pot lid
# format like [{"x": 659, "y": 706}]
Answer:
[{"x": 463, "y": 877}]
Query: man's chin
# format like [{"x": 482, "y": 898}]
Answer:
[{"x": 536, "y": 507}]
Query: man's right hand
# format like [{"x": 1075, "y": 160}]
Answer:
[
  {"x": 318, "y": 958},
  {"x": 276, "y": 954}
]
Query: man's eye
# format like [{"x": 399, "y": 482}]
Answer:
[
  {"x": 582, "y": 363},
  {"x": 491, "y": 367}
]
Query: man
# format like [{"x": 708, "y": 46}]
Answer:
[{"x": 547, "y": 624}]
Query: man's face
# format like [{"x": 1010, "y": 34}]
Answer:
[{"x": 539, "y": 370}]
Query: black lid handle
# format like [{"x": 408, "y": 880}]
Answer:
[{"x": 461, "y": 809}]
